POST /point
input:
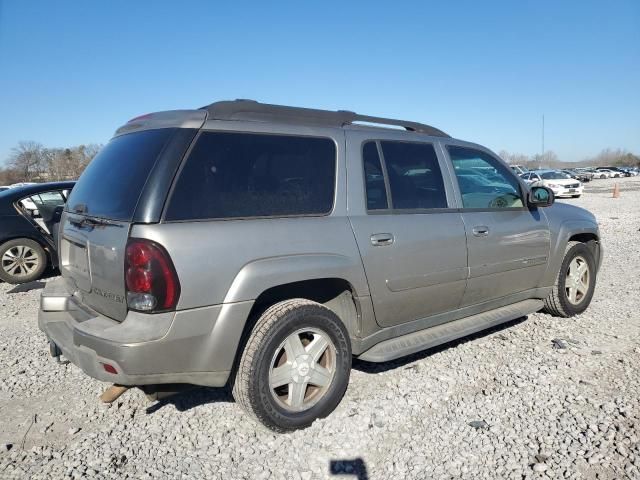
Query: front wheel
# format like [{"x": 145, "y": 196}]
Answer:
[
  {"x": 575, "y": 196},
  {"x": 575, "y": 284},
  {"x": 295, "y": 366},
  {"x": 21, "y": 260}
]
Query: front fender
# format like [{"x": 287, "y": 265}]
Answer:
[
  {"x": 560, "y": 235},
  {"x": 260, "y": 275}
]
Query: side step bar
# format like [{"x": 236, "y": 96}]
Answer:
[{"x": 434, "y": 336}]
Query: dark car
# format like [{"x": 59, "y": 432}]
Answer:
[
  {"x": 29, "y": 220},
  {"x": 578, "y": 174}
]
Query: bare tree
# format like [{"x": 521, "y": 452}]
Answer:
[{"x": 28, "y": 160}]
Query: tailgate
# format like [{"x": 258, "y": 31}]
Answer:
[{"x": 92, "y": 262}]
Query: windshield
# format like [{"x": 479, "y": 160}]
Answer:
[
  {"x": 112, "y": 183},
  {"x": 554, "y": 176}
]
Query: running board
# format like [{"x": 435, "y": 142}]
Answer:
[{"x": 434, "y": 336}]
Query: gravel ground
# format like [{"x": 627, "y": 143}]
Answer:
[{"x": 539, "y": 397}]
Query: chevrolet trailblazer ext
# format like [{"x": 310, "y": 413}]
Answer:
[{"x": 264, "y": 246}]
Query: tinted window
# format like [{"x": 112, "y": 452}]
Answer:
[
  {"x": 374, "y": 178},
  {"x": 483, "y": 180},
  {"x": 235, "y": 175},
  {"x": 414, "y": 175},
  {"x": 112, "y": 183}
]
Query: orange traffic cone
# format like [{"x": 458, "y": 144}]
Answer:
[{"x": 616, "y": 191}]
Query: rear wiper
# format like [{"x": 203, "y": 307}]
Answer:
[{"x": 94, "y": 222}]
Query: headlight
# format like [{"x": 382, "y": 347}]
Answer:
[{"x": 552, "y": 185}]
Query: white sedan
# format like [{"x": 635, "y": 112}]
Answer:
[{"x": 560, "y": 183}]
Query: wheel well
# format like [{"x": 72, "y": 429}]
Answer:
[
  {"x": 591, "y": 240},
  {"x": 334, "y": 293},
  {"x": 326, "y": 291}
]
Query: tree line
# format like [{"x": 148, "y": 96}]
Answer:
[
  {"x": 32, "y": 162},
  {"x": 607, "y": 157}
]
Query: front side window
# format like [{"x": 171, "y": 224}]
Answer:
[
  {"x": 414, "y": 175},
  {"x": 484, "y": 181},
  {"x": 239, "y": 175}
]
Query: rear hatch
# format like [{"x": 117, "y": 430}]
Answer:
[{"x": 125, "y": 183}]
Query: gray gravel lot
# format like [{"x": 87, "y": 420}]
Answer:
[{"x": 540, "y": 397}]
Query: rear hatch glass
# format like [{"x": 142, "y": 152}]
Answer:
[
  {"x": 98, "y": 216},
  {"x": 112, "y": 183}
]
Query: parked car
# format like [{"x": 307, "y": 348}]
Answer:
[
  {"x": 578, "y": 174},
  {"x": 29, "y": 218},
  {"x": 628, "y": 171},
  {"x": 611, "y": 172},
  {"x": 559, "y": 182},
  {"x": 263, "y": 246}
]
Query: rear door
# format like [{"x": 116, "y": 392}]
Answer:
[
  {"x": 103, "y": 205},
  {"x": 411, "y": 241},
  {"x": 508, "y": 243}
]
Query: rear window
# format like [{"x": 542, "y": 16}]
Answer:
[
  {"x": 240, "y": 175},
  {"x": 112, "y": 183}
]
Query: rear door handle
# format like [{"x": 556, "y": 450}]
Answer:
[
  {"x": 381, "y": 239},
  {"x": 481, "y": 231}
]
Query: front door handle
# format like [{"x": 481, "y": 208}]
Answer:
[
  {"x": 481, "y": 231},
  {"x": 381, "y": 239}
]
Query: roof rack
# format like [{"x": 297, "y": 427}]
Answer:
[{"x": 242, "y": 109}]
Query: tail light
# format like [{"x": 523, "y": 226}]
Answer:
[{"x": 151, "y": 280}]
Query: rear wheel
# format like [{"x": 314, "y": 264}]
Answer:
[
  {"x": 21, "y": 260},
  {"x": 574, "y": 287},
  {"x": 295, "y": 366}
]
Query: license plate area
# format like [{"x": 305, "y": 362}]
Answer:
[{"x": 74, "y": 259}]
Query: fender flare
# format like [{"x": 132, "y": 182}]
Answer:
[{"x": 258, "y": 276}]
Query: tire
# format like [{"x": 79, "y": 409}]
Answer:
[
  {"x": 575, "y": 196},
  {"x": 558, "y": 303},
  {"x": 280, "y": 409},
  {"x": 34, "y": 261}
]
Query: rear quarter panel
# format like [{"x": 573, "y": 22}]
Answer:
[{"x": 236, "y": 260}]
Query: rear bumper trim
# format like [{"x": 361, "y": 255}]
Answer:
[{"x": 192, "y": 346}]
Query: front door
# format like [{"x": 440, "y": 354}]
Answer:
[
  {"x": 508, "y": 243},
  {"x": 412, "y": 243}
]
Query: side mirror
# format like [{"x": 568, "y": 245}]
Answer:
[{"x": 540, "y": 197}]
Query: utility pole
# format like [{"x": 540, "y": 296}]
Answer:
[{"x": 542, "y": 156}]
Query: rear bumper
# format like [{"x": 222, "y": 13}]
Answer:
[{"x": 190, "y": 346}]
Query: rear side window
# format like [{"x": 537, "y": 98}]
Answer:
[
  {"x": 112, "y": 183},
  {"x": 374, "y": 178},
  {"x": 414, "y": 175},
  {"x": 240, "y": 175}
]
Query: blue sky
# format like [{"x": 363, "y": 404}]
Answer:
[{"x": 72, "y": 72}]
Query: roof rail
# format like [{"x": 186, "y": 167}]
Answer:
[{"x": 242, "y": 109}]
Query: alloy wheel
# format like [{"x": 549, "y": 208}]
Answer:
[
  {"x": 302, "y": 369},
  {"x": 577, "y": 280},
  {"x": 20, "y": 261}
]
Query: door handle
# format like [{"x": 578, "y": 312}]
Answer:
[
  {"x": 481, "y": 231},
  {"x": 381, "y": 239}
]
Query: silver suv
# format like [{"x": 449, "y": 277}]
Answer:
[{"x": 265, "y": 246}]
